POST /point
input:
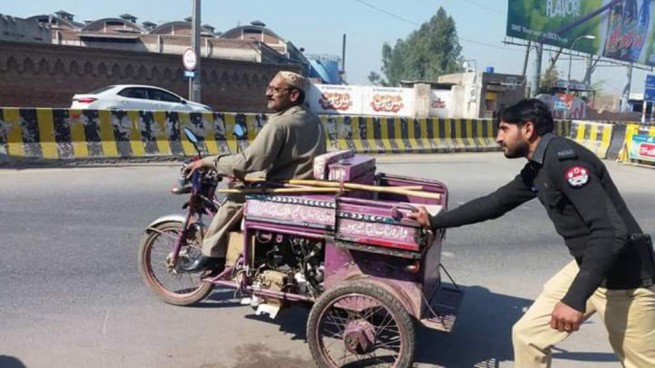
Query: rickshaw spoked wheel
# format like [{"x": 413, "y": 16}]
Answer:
[
  {"x": 161, "y": 277},
  {"x": 360, "y": 324}
]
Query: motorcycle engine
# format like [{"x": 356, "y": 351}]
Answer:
[
  {"x": 272, "y": 280},
  {"x": 289, "y": 263}
]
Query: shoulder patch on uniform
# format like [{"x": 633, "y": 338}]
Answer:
[
  {"x": 577, "y": 176},
  {"x": 566, "y": 154}
]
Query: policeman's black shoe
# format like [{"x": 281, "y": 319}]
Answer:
[{"x": 204, "y": 263}]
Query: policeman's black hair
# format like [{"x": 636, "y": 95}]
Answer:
[{"x": 529, "y": 109}]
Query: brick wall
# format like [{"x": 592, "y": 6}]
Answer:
[{"x": 41, "y": 75}]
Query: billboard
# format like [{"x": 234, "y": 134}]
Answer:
[
  {"x": 360, "y": 100},
  {"x": 440, "y": 104},
  {"x": 335, "y": 99},
  {"x": 387, "y": 101},
  {"x": 642, "y": 148},
  {"x": 565, "y": 106},
  {"x": 622, "y": 29}
]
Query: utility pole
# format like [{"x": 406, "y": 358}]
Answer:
[
  {"x": 568, "y": 78},
  {"x": 626, "y": 90},
  {"x": 536, "y": 74},
  {"x": 589, "y": 69},
  {"x": 527, "y": 57},
  {"x": 194, "y": 86}
]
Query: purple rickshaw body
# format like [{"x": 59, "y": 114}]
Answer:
[
  {"x": 368, "y": 270},
  {"x": 367, "y": 235}
]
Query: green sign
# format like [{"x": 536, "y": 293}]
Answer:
[
  {"x": 621, "y": 29},
  {"x": 642, "y": 148}
]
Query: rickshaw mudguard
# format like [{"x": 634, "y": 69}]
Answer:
[
  {"x": 435, "y": 307},
  {"x": 343, "y": 266},
  {"x": 395, "y": 290},
  {"x": 167, "y": 218},
  {"x": 438, "y": 313}
]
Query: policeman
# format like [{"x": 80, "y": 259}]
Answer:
[{"x": 613, "y": 268}]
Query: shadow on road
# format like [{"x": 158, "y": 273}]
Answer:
[
  {"x": 482, "y": 336},
  {"x": 562, "y": 354},
  {"x": 10, "y": 362},
  {"x": 292, "y": 321},
  {"x": 220, "y": 298}
]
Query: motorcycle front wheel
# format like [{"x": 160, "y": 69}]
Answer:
[{"x": 161, "y": 276}]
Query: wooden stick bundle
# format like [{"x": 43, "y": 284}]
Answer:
[
  {"x": 370, "y": 188},
  {"x": 320, "y": 186},
  {"x": 279, "y": 190}
]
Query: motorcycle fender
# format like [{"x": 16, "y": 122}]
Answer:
[{"x": 168, "y": 218}]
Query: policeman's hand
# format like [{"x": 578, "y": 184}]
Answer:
[
  {"x": 565, "y": 318},
  {"x": 422, "y": 217}
]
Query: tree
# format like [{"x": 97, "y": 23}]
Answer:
[
  {"x": 548, "y": 80},
  {"x": 427, "y": 53},
  {"x": 598, "y": 85},
  {"x": 376, "y": 79}
]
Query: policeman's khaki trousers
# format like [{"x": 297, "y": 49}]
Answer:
[{"x": 628, "y": 315}]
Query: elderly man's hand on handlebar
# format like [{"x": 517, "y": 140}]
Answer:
[{"x": 193, "y": 166}]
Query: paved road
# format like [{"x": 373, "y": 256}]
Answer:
[{"x": 71, "y": 296}]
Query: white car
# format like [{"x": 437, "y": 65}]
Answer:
[{"x": 135, "y": 97}]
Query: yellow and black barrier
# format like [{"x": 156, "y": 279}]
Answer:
[
  {"x": 88, "y": 134},
  {"x": 53, "y": 134},
  {"x": 562, "y": 128},
  {"x": 596, "y": 136},
  {"x": 367, "y": 134}
]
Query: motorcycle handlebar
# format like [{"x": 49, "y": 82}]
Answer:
[{"x": 187, "y": 183}]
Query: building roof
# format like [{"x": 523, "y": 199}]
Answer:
[
  {"x": 128, "y": 16},
  {"x": 100, "y": 26},
  {"x": 54, "y": 19},
  {"x": 237, "y": 32},
  {"x": 171, "y": 27},
  {"x": 433, "y": 84}
]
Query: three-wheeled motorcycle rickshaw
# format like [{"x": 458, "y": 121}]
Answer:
[{"x": 342, "y": 244}]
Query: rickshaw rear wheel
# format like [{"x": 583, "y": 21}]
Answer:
[
  {"x": 162, "y": 277},
  {"x": 360, "y": 324}
]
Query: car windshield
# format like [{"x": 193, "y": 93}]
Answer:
[{"x": 100, "y": 90}]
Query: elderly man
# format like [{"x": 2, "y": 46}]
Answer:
[{"x": 285, "y": 149}]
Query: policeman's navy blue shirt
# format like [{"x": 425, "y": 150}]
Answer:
[{"x": 585, "y": 206}]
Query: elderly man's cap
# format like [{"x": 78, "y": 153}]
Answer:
[{"x": 294, "y": 79}]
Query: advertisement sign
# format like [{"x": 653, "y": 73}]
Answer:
[
  {"x": 384, "y": 101},
  {"x": 360, "y": 100},
  {"x": 575, "y": 86},
  {"x": 649, "y": 90},
  {"x": 621, "y": 29},
  {"x": 565, "y": 106},
  {"x": 642, "y": 148},
  {"x": 440, "y": 103},
  {"x": 335, "y": 99}
]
